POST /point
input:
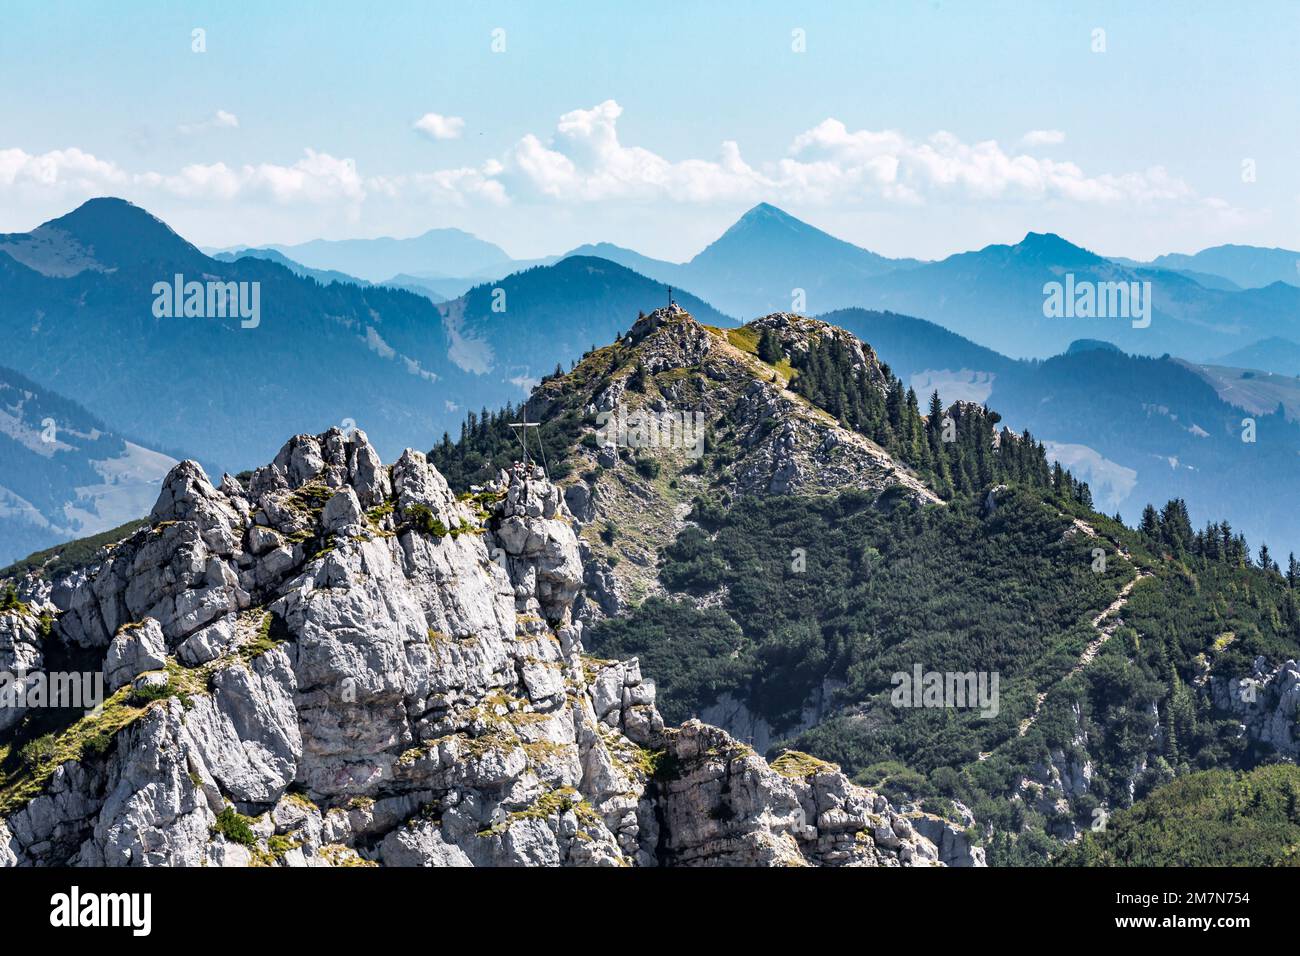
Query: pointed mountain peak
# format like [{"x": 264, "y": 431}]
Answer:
[
  {"x": 769, "y": 239},
  {"x": 1048, "y": 245},
  {"x": 114, "y": 232},
  {"x": 767, "y": 210},
  {"x": 109, "y": 212},
  {"x": 763, "y": 223},
  {"x": 767, "y": 216}
]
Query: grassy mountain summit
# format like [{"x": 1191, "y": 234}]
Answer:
[{"x": 822, "y": 414}]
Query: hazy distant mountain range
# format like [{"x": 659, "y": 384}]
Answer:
[
  {"x": 323, "y": 276},
  {"x": 450, "y": 252},
  {"x": 1216, "y": 303},
  {"x": 79, "y": 319},
  {"x": 769, "y": 261},
  {"x": 340, "y": 343},
  {"x": 1271, "y": 355},
  {"x": 1246, "y": 267}
]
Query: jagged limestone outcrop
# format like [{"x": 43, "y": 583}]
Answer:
[
  {"x": 337, "y": 663},
  {"x": 1267, "y": 702}
]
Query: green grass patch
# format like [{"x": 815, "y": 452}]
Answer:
[{"x": 234, "y": 827}]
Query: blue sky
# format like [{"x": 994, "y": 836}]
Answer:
[{"x": 909, "y": 128}]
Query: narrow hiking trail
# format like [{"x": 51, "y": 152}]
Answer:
[
  {"x": 1090, "y": 652},
  {"x": 1111, "y": 618}
]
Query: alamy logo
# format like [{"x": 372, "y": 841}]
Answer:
[
  {"x": 646, "y": 429},
  {"x": 134, "y": 910},
  {"x": 208, "y": 300},
  {"x": 80, "y": 690},
  {"x": 1098, "y": 300},
  {"x": 946, "y": 690}
]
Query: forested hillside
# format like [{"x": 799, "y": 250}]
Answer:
[
  {"x": 787, "y": 616},
  {"x": 1213, "y": 818}
]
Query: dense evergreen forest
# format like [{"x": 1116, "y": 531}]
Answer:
[
  {"x": 957, "y": 451},
  {"x": 1211, "y": 818}
]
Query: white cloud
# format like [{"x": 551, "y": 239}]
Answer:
[
  {"x": 453, "y": 186},
  {"x": 219, "y": 120},
  {"x": 1043, "y": 137},
  {"x": 584, "y": 161},
  {"x": 60, "y": 170},
  {"x": 316, "y": 178},
  {"x": 437, "y": 126}
]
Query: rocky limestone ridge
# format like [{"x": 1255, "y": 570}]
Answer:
[{"x": 342, "y": 663}]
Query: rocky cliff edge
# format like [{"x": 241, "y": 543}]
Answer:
[{"x": 343, "y": 663}]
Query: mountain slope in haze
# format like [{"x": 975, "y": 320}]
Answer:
[
  {"x": 323, "y": 276},
  {"x": 995, "y": 296},
  {"x": 519, "y": 328},
  {"x": 775, "y": 586},
  {"x": 1139, "y": 430},
  {"x": 84, "y": 326},
  {"x": 1277, "y": 355},
  {"x": 447, "y": 252},
  {"x": 658, "y": 269},
  {"x": 1170, "y": 434},
  {"x": 63, "y": 474},
  {"x": 1250, "y": 267},
  {"x": 435, "y": 290},
  {"x": 1209, "y": 281},
  {"x": 1254, "y": 391}
]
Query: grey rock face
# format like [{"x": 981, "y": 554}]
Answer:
[
  {"x": 954, "y": 847},
  {"x": 20, "y": 654},
  {"x": 722, "y": 805},
  {"x": 208, "y": 643},
  {"x": 132, "y": 652},
  {"x": 340, "y": 664},
  {"x": 578, "y": 499},
  {"x": 1267, "y": 702}
]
